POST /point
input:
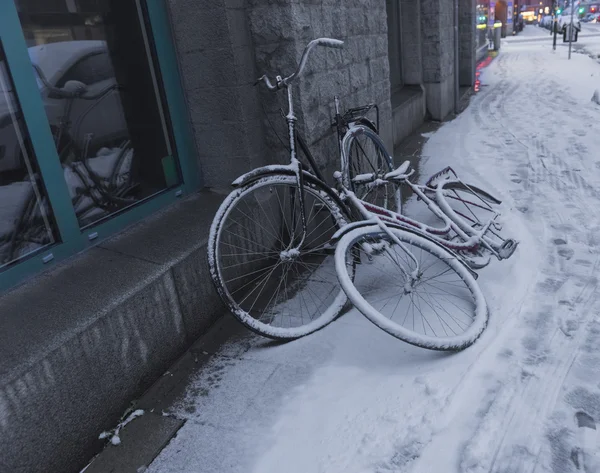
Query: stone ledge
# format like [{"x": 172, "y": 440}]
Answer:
[
  {"x": 408, "y": 111},
  {"x": 405, "y": 94},
  {"x": 77, "y": 343}
]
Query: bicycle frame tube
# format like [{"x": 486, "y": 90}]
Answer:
[
  {"x": 291, "y": 121},
  {"x": 338, "y": 117},
  {"x": 369, "y": 216},
  {"x": 308, "y": 155},
  {"x": 388, "y": 217}
]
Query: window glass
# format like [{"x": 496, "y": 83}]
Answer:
[
  {"x": 26, "y": 223},
  {"x": 102, "y": 92},
  {"x": 90, "y": 70}
]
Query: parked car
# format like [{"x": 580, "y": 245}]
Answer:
[
  {"x": 565, "y": 18},
  {"x": 587, "y": 18},
  {"x": 546, "y": 22},
  {"x": 93, "y": 124}
]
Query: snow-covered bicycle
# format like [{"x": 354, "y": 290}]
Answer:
[
  {"x": 273, "y": 257},
  {"x": 98, "y": 184}
]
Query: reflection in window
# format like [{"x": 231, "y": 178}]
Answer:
[
  {"x": 98, "y": 78},
  {"x": 25, "y": 220}
]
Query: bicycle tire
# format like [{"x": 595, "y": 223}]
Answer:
[
  {"x": 263, "y": 214},
  {"x": 375, "y": 292},
  {"x": 369, "y": 156}
]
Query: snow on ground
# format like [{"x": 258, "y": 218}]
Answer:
[{"x": 352, "y": 399}]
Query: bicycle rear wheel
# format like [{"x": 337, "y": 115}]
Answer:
[
  {"x": 276, "y": 292},
  {"x": 365, "y": 153},
  {"x": 441, "y": 309}
]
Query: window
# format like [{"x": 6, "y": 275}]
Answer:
[
  {"x": 94, "y": 136},
  {"x": 26, "y": 221},
  {"x": 113, "y": 139},
  {"x": 394, "y": 36}
]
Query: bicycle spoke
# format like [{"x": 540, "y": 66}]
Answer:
[{"x": 283, "y": 293}]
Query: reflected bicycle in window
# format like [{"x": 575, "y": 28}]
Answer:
[
  {"x": 26, "y": 221},
  {"x": 97, "y": 75}
]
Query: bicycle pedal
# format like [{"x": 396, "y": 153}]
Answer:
[{"x": 508, "y": 248}]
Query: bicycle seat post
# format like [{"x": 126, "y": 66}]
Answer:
[{"x": 291, "y": 121}]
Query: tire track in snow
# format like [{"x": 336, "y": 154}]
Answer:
[
  {"x": 518, "y": 401},
  {"x": 532, "y": 400},
  {"x": 538, "y": 387}
]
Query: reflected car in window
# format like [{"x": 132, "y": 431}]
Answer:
[{"x": 85, "y": 121}]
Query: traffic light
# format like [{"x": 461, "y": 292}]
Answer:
[
  {"x": 581, "y": 10},
  {"x": 558, "y": 11}
]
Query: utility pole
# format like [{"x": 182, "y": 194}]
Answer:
[
  {"x": 571, "y": 27},
  {"x": 554, "y": 24}
]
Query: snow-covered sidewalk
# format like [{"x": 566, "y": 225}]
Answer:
[{"x": 352, "y": 399}]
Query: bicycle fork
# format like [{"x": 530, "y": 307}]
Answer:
[
  {"x": 411, "y": 277},
  {"x": 369, "y": 248}
]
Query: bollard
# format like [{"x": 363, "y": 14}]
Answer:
[{"x": 497, "y": 38}]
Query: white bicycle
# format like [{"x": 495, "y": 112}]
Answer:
[{"x": 286, "y": 250}]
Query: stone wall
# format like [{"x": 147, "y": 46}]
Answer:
[
  {"x": 412, "y": 61},
  {"x": 437, "y": 33},
  {"x": 216, "y": 57},
  {"x": 358, "y": 73},
  {"x": 467, "y": 41}
]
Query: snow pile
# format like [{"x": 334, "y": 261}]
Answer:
[{"x": 113, "y": 435}]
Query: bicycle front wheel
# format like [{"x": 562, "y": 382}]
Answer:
[
  {"x": 436, "y": 304},
  {"x": 275, "y": 278}
]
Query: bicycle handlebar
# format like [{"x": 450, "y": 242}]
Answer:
[{"x": 326, "y": 42}]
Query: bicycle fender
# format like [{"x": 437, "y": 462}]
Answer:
[
  {"x": 263, "y": 171},
  {"x": 369, "y": 223},
  {"x": 351, "y": 226}
]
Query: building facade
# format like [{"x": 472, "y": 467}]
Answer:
[{"x": 122, "y": 125}]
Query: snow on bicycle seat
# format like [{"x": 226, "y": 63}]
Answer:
[{"x": 400, "y": 172}]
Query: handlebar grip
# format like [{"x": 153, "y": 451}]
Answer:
[
  {"x": 330, "y": 43},
  {"x": 327, "y": 42}
]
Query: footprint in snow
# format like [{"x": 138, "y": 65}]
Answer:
[
  {"x": 585, "y": 454},
  {"x": 566, "y": 253}
]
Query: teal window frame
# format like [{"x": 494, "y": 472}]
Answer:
[{"x": 72, "y": 239}]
